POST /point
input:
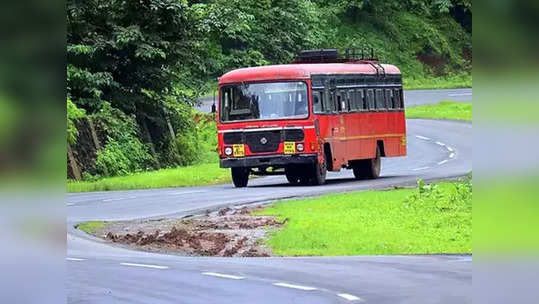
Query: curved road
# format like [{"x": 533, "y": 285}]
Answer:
[{"x": 100, "y": 273}]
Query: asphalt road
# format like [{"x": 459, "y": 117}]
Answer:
[{"x": 100, "y": 273}]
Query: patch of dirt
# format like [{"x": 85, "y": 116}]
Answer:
[
  {"x": 226, "y": 233},
  {"x": 467, "y": 54},
  {"x": 435, "y": 61}
]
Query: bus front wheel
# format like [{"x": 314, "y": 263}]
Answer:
[
  {"x": 368, "y": 168},
  {"x": 293, "y": 175},
  {"x": 319, "y": 174},
  {"x": 240, "y": 177}
]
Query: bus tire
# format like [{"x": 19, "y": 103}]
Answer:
[
  {"x": 292, "y": 175},
  {"x": 240, "y": 177},
  {"x": 319, "y": 173},
  {"x": 368, "y": 168}
]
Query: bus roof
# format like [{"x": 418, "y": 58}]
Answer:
[{"x": 301, "y": 71}]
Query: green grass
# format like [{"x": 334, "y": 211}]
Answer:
[
  {"x": 442, "y": 110},
  {"x": 448, "y": 82},
  {"x": 91, "y": 227},
  {"x": 196, "y": 175},
  {"x": 376, "y": 222}
]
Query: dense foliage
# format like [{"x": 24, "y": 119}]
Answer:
[{"x": 151, "y": 59}]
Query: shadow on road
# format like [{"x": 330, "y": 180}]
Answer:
[{"x": 329, "y": 182}]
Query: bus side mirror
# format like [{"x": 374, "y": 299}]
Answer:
[{"x": 213, "y": 108}]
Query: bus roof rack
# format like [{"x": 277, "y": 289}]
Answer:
[
  {"x": 350, "y": 56},
  {"x": 321, "y": 55},
  {"x": 333, "y": 56}
]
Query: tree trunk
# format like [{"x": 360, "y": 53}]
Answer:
[
  {"x": 150, "y": 140},
  {"x": 95, "y": 139}
]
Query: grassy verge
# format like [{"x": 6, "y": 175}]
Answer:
[
  {"x": 442, "y": 110},
  {"x": 91, "y": 227},
  {"x": 196, "y": 175},
  {"x": 450, "y": 82},
  {"x": 428, "y": 220}
]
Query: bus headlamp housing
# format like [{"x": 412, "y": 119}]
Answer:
[
  {"x": 300, "y": 147},
  {"x": 228, "y": 151}
]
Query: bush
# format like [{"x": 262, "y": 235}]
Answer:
[
  {"x": 460, "y": 199},
  {"x": 73, "y": 113},
  {"x": 121, "y": 158},
  {"x": 198, "y": 145},
  {"x": 124, "y": 153}
]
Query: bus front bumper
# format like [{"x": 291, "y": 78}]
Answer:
[{"x": 268, "y": 161}]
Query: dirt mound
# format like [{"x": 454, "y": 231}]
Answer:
[{"x": 227, "y": 232}]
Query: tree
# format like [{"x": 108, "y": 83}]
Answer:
[{"x": 131, "y": 53}]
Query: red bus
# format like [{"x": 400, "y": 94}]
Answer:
[{"x": 306, "y": 118}]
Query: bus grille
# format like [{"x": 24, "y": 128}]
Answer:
[
  {"x": 256, "y": 143},
  {"x": 255, "y": 140}
]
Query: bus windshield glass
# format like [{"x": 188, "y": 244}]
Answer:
[{"x": 263, "y": 101}]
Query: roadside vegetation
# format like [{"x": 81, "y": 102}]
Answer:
[
  {"x": 449, "y": 82},
  {"x": 430, "y": 219},
  {"x": 92, "y": 226},
  {"x": 442, "y": 110},
  {"x": 194, "y": 175}
]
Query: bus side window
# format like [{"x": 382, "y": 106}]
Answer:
[
  {"x": 389, "y": 99},
  {"x": 359, "y": 100},
  {"x": 338, "y": 99},
  {"x": 397, "y": 97},
  {"x": 349, "y": 100},
  {"x": 380, "y": 100},
  {"x": 353, "y": 100},
  {"x": 370, "y": 99},
  {"x": 318, "y": 102},
  {"x": 329, "y": 105},
  {"x": 363, "y": 100}
]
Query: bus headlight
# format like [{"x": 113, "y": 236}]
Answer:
[
  {"x": 300, "y": 147},
  {"x": 228, "y": 151}
]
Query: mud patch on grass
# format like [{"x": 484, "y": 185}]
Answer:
[{"x": 226, "y": 232}]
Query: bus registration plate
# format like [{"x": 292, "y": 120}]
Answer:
[
  {"x": 238, "y": 150},
  {"x": 289, "y": 147}
]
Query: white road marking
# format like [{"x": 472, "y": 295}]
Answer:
[
  {"x": 443, "y": 162},
  {"x": 224, "y": 276},
  {"x": 75, "y": 259},
  {"x": 186, "y": 192},
  {"x": 422, "y": 137},
  {"x": 144, "y": 265},
  {"x": 70, "y": 204},
  {"x": 440, "y": 143},
  {"x": 461, "y": 94},
  {"x": 307, "y": 288},
  {"x": 114, "y": 199},
  {"x": 348, "y": 297},
  {"x": 422, "y": 168},
  {"x": 449, "y": 148},
  {"x": 451, "y": 155}
]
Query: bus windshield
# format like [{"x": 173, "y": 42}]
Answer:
[{"x": 263, "y": 101}]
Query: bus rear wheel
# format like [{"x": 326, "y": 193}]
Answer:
[
  {"x": 368, "y": 168},
  {"x": 240, "y": 177}
]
